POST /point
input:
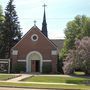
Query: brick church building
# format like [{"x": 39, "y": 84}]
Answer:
[{"x": 35, "y": 52}]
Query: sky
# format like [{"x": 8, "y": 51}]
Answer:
[{"x": 58, "y": 14}]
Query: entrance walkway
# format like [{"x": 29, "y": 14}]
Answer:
[
  {"x": 22, "y": 76},
  {"x": 8, "y": 88}
]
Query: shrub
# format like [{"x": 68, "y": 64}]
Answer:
[
  {"x": 69, "y": 63},
  {"x": 59, "y": 65},
  {"x": 47, "y": 68},
  {"x": 19, "y": 67}
]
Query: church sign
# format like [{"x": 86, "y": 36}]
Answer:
[{"x": 4, "y": 65}]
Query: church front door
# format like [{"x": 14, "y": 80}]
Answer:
[{"x": 35, "y": 66}]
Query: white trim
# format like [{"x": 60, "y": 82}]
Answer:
[
  {"x": 4, "y": 59},
  {"x": 21, "y": 60},
  {"x": 9, "y": 66},
  {"x": 15, "y": 52},
  {"x": 54, "y": 52},
  {"x": 3, "y": 62},
  {"x": 33, "y": 38},
  {"x": 47, "y": 60},
  {"x": 27, "y": 60}
]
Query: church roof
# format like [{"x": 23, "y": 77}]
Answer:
[{"x": 58, "y": 42}]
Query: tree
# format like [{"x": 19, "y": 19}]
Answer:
[
  {"x": 76, "y": 29},
  {"x": 1, "y": 28},
  {"x": 11, "y": 32},
  {"x": 59, "y": 64},
  {"x": 69, "y": 63},
  {"x": 83, "y": 54},
  {"x": 78, "y": 58},
  {"x": 1, "y": 18},
  {"x": 1, "y": 14}
]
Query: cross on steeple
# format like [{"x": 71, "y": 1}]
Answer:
[
  {"x": 44, "y": 24},
  {"x": 34, "y": 22},
  {"x": 44, "y": 6}
]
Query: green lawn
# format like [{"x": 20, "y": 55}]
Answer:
[
  {"x": 48, "y": 79},
  {"x": 79, "y": 73},
  {"x": 6, "y": 76},
  {"x": 57, "y": 79},
  {"x": 61, "y": 87}
]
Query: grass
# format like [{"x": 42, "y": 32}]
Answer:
[
  {"x": 6, "y": 76},
  {"x": 79, "y": 73},
  {"x": 57, "y": 79},
  {"x": 65, "y": 87},
  {"x": 48, "y": 79}
]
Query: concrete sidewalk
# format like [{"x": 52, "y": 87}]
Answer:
[{"x": 22, "y": 76}]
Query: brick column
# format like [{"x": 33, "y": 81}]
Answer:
[
  {"x": 13, "y": 62},
  {"x": 54, "y": 64}
]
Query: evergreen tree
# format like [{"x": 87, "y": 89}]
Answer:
[
  {"x": 11, "y": 32},
  {"x": 1, "y": 14},
  {"x": 1, "y": 18},
  {"x": 1, "y": 28}
]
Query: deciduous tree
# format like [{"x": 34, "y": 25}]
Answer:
[
  {"x": 78, "y": 58},
  {"x": 76, "y": 29}
]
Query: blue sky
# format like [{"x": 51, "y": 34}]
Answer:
[{"x": 58, "y": 13}]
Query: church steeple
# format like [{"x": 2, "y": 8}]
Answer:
[{"x": 44, "y": 23}]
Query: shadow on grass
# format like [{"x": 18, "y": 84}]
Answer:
[{"x": 86, "y": 82}]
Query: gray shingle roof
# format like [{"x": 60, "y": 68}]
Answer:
[{"x": 58, "y": 42}]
